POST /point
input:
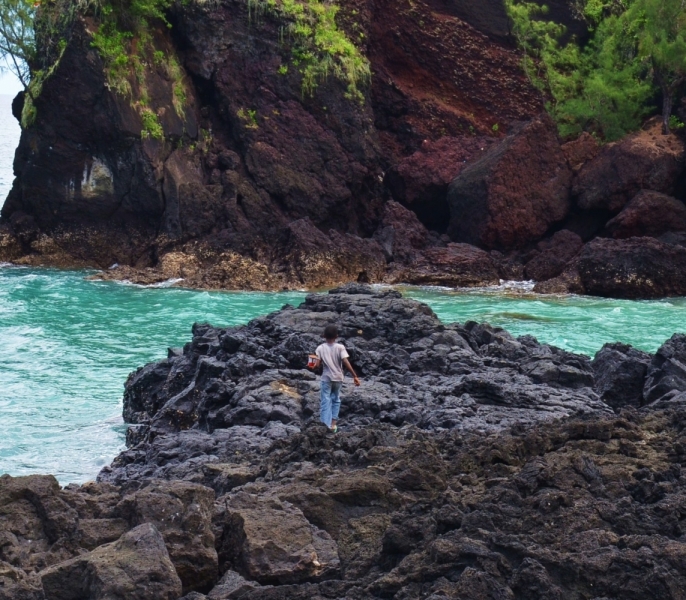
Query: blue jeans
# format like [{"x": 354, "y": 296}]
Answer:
[{"x": 329, "y": 401}]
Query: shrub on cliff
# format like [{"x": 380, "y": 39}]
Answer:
[
  {"x": 319, "y": 47},
  {"x": 606, "y": 84}
]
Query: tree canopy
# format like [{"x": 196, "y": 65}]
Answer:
[
  {"x": 17, "y": 39},
  {"x": 607, "y": 84}
]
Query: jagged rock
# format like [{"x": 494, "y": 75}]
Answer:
[
  {"x": 633, "y": 268},
  {"x": 421, "y": 181},
  {"x": 15, "y": 584},
  {"x": 36, "y": 524},
  {"x": 666, "y": 380},
  {"x": 553, "y": 255},
  {"x": 272, "y": 542},
  {"x": 620, "y": 374},
  {"x": 456, "y": 265},
  {"x": 246, "y": 385},
  {"x": 513, "y": 194},
  {"x": 646, "y": 160},
  {"x": 648, "y": 214},
  {"x": 231, "y": 586},
  {"x": 136, "y": 567},
  {"x": 400, "y": 233},
  {"x": 182, "y": 513},
  {"x": 318, "y": 260},
  {"x": 581, "y": 150}
]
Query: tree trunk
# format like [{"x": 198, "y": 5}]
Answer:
[{"x": 667, "y": 104}]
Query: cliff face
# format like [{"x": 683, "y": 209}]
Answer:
[
  {"x": 253, "y": 181},
  {"x": 251, "y": 154}
]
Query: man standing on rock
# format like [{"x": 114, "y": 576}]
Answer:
[{"x": 333, "y": 357}]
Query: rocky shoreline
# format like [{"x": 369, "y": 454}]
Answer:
[{"x": 470, "y": 465}]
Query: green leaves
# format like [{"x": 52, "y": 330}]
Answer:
[
  {"x": 320, "y": 48},
  {"x": 606, "y": 85},
  {"x": 17, "y": 39}
]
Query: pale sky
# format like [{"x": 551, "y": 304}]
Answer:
[{"x": 9, "y": 84}]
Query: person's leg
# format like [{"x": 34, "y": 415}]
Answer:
[
  {"x": 335, "y": 401},
  {"x": 325, "y": 402}
]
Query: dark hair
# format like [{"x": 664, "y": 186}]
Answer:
[{"x": 330, "y": 332}]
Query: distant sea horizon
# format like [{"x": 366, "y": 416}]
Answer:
[{"x": 9, "y": 140}]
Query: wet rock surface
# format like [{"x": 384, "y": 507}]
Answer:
[{"x": 470, "y": 464}]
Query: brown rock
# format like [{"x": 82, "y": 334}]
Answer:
[
  {"x": 272, "y": 542},
  {"x": 136, "y": 567},
  {"x": 648, "y": 214},
  {"x": 316, "y": 260},
  {"x": 421, "y": 180},
  {"x": 182, "y": 513},
  {"x": 554, "y": 254},
  {"x": 512, "y": 195},
  {"x": 567, "y": 283},
  {"x": 400, "y": 232},
  {"x": 17, "y": 585},
  {"x": 646, "y": 160},
  {"x": 633, "y": 268},
  {"x": 36, "y": 525},
  {"x": 10, "y": 246},
  {"x": 457, "y": 265},
  {"x": 96, "y": 532},
  {"x": 579, "y": 151}
]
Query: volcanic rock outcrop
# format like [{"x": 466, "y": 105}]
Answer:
[
  {"x": 253, "y": 174},
  {"x": 470, "y": 464}
]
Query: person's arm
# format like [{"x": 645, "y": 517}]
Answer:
[{"x": 347, "y": 365}]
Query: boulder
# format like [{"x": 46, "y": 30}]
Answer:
[
  {"x": 620, "y": 372},
  {"x": 667, "y": 372},
  {"x": 579, "y": 151},
  {"x": 317, "y": 259},
  {"x": 400, "y": 233},
  {"x": 457, "y": 265},
  {"x": 633, "y": 268},
  {"x": 15, "y": 584},
  {"x": 37, "y": 527},
  {"x": 514, "y": 193},
  {"x": 136, "y": 567},
  {"x": 182, "y": 512},
  {"x": 646, "y": 160},
  {"x": 553, "y": 256},
  {"x": 420, "y": 181},
  {"x": 271, "y": 541},
  {"x": 648, "y": 214},
  {"x": 231, "y": 586},
  {"x": 569, "y": 282}
]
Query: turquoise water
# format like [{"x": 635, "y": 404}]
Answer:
[
  {"x": 66, "y": 348},
  {"x": 576, "y": 323},
  {"x": 68, "y": 344}
]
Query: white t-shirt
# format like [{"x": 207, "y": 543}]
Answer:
[{"x": 332, "y": 356}]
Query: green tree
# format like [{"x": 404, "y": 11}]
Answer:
[
  {"x": 660, "y": 31},
  {"x": 598, "y": 86},
  {"x": 17, "y": 39}
]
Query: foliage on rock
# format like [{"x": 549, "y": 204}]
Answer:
[
  {"x": 606, "y": 84},
  {"x": 319, "y": 47}
]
